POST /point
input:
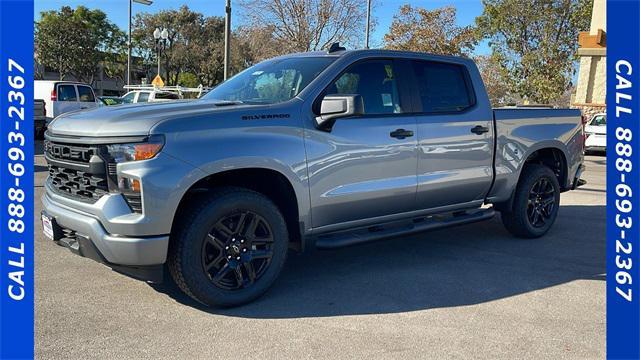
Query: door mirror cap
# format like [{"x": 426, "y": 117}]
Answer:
[{"x": 338, "y": 106}]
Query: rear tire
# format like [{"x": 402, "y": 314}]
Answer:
[
  {"x": 536, "y": 202},
  {"x": 228, "y": 247}
]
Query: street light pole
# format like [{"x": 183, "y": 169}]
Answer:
[
  {"x": 227, "y": 38},
  {"x": 161, "y": 38},
  {"x": 366, "y": 36}
]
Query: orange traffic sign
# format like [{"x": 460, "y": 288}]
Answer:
[{"x": 157, "y": 81}]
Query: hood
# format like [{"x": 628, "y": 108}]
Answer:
[
  {"x": 127, "y": 120},
  {"x": 601, "y": 130}
]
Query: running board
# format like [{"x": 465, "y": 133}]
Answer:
[{"x": 378, "y": 232}]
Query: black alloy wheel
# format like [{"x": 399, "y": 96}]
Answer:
[
  {"x": 535, "y": 204},
  {"x": 541, "y": 203},
  {"x": 238, "y": 250},
  {"x": 228, "y": 246}
]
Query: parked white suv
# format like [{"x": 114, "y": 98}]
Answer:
[{"x": 63, "y": 96}]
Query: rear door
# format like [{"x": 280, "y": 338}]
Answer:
[
  {"x": 86, "y": 97},
  {"x": 364, "y": 166},
  {"x": 455, "y": 136},
  {"x": 67, "y": 99}
]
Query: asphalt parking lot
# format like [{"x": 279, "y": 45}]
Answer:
[{"x": 468, "y": 292}]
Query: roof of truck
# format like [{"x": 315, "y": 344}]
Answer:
[{"x": 372, "y": 52}]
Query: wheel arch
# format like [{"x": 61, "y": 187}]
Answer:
[
  {"x": 552, "y": 155},
  {"x": 272, "y": 183}
]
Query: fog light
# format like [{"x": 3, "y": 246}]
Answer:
[{"x": 127, "y": 185}]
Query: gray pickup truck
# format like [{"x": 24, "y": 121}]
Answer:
[{"x": 312, "y": 150}]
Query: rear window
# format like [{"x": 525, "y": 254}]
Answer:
[
  {"x": 164, "y": 95},
  {"x": 67, "y": 93},
  {"x": 443, "y": 87},
  {"x": 86, "y": 94}
]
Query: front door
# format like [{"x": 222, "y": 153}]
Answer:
[{"x": 365, "y": 166}]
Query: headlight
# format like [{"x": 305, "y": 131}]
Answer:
[{"x": 136, "y": 151}]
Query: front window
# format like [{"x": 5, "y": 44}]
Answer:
[
  {"x": 129, "y": 97},
  {"x": 375, "y": 81},
  {"x": 271, "y": 81}
]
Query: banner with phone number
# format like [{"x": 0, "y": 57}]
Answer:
[
  {"x": 16, "y": 179},
  {"x": 623, "y": 183}
]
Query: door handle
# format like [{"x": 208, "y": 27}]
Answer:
[
  {"x": 401, "y": 133},
  {"x": 83, "y": 108},
  {"x": 479, "y": 130}
]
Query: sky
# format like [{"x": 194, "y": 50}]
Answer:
[{"x": 117, "y": 11}]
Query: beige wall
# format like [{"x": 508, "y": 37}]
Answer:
[
  {"x": 598, "y": 16},
  {"x": 591, "y": 87}
]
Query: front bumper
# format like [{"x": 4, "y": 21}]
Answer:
[
  {"x": 83, "y": 233},
  {"x": 82, "y": 245}
]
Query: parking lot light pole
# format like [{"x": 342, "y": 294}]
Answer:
[{"x": 143, "y": 2}]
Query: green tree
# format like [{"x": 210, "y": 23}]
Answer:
[
  {"x": 431, "y": 31},
  {"x": 75, "y": 41},
  {"x": 493, "y": 76},
  {"x": 535, "y": 43},
  {"x": 196, "y": 44}
]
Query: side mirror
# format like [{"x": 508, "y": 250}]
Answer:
[{"x": 338, "y": 106}]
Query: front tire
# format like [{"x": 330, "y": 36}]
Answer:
[
  {"x": 228, "y": 248},
  {"x": 536, "y": 203}
]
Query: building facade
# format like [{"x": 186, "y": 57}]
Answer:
[{"x": 591, "y": 88}]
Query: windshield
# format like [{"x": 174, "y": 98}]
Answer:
[
  {"x": 271, "y": 81},
  {"x": 599, "y": 120},
  {"x": 128, "y": 97}
]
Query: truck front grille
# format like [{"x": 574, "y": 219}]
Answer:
[
  {"x": 78, "y": 184},
  {"x": 77, "y": 171}
]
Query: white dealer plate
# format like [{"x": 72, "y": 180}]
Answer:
[{"x": 47, "y": 227}]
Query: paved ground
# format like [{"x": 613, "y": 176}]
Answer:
[{"x": 467, "y": 292}]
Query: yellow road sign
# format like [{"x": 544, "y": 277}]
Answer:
[{"x": 157, "y": 81}]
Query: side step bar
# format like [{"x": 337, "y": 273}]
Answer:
[{"x": 372, "y": 233}]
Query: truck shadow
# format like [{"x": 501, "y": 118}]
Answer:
[{"x": 453, "y": 267}]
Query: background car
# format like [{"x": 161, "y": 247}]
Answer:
[
  {"x": 140, "y": 96},
  {"x": 53, "y": 98},
  {"x": 596, "y": 133},
  {"x": 63, "y": 96}
]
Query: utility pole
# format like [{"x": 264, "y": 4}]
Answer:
[
  {"x": 227, "y": 38},
  {"x": 143, "y": 2},
  {"x": 129, "y": 47},
  {"x": 366, "y": 36}
]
